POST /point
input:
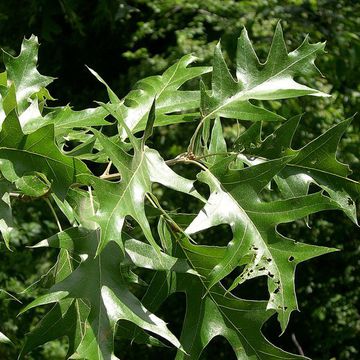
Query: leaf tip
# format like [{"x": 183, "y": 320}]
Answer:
[{"x": 278, "y": 27}]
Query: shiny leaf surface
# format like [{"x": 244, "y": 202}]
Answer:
[
  {"x": 122, "y": 226},
  {"x": 272, "y": 80}
]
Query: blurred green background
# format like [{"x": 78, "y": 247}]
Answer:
[{"x": 127, "y": 40}]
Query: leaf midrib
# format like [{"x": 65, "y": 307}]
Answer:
[
  {"x": 37, "y": 154},
  {"x": 126, "y": 189}
]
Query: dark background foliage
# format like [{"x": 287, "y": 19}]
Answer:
[{"x": 127, "y": 40}]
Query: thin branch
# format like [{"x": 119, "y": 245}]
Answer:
[
  {"x": 215, "y": 154},
  {"x": 193, "y": 138},
  {"x": 185, "y": 160},
  {"x": 176, "y": 159}
]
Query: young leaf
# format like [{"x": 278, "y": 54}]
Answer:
[
  {"x": 32, "y": 185},
  {"x": 82, "y": 241},
  {"x": 65, "y": 118},
  {"x": 66, "y": 318},
  {"x": 217, "y": 144}
]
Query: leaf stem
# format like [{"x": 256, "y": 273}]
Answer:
[
  {"x": 214, "y": 154},
  {"x": 12, "y": 296},
  {"x": 107, "y": 170},
  {"x": 193, "y": 138},
  {"x": 54, "y": 213},
  {"x": 183, "y": 158},
  {"x": 157, "y": 205},
  {"x": 110, "y": 176},
  {"x": 203, "y": 167},
  {"x": 180, "y": 230}
]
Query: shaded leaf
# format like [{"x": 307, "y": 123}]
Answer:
[
  {"x": 99, "y": 282},
  {"x": 6, "y": 219},
  {"x": 235, "y": 200},
  {"x": 314, "y": 163},
  {"x": 37, "y": 152},
  {"x": 215, "y": 312}
]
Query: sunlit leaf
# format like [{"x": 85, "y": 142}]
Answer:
[
  {"x": 234, "y": 200},
  {"x": 22, "y": 71},
  {"x": 272, "y": 80},
  {"x": 126, "y": 198},
  {"x": 135, "y": 107}
]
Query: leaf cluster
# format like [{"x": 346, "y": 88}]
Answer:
[{"x": 117, "y": 228}]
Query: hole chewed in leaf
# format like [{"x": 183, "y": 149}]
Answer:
[
  {"x": 253, "y": 289},
  {"x": 229, "y": 279}
]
